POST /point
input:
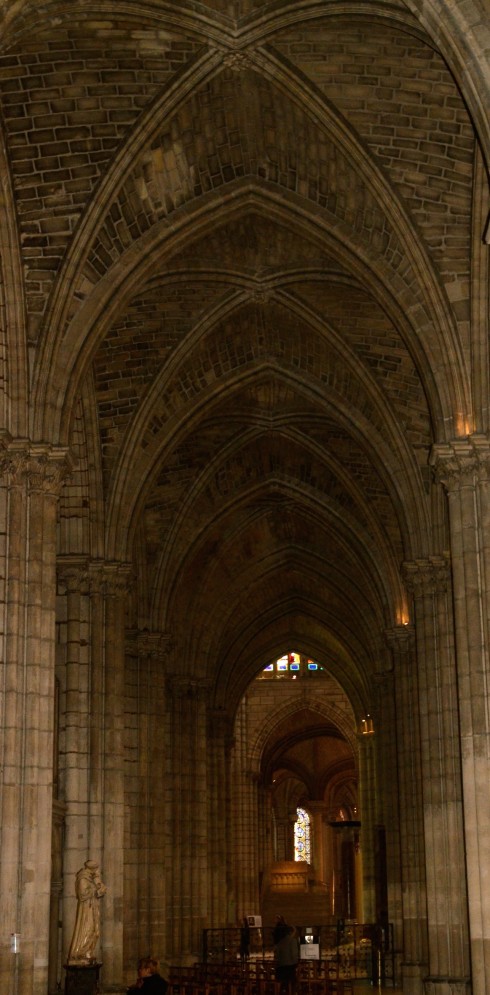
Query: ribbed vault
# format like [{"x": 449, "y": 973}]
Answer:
[{"x": 245, "y": 236}]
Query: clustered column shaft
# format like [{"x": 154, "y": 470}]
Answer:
[
  {"x": 463, "y": 468},
  {"x": 387, "y": 810},
  {"x": 246, "y": 819},
  {"x": 116, "y": 584},
  {"x": 367, "y": 782},
  {"x": 441, "y": 777},
  {"x": 221, "y": 902},
  {"x": 188, "y": 842},
  {"x": 31, "y": 483},
  {"x": 75, "y": 766},
  {"x": 414, "y": 905}
]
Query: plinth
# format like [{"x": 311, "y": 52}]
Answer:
[{"x": 82, "y": 979}]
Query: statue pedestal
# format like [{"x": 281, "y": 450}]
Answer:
[{"x": 82, "y": 979}]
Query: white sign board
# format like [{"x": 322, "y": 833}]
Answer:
[{"x": 309, "y": 951}]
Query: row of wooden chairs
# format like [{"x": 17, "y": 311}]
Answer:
[
  {"x": 253, "y": 968},
  {"x": 324, "y": 986},
  {"x": 254, "y": 978}
]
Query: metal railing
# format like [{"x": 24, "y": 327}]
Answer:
[{"x": 345, "y": 949}]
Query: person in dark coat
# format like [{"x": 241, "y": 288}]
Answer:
[
  {"x": 149, "y": 980},
  {"x": 280, "y": 929},
  {"x": 286, "y": 957},
  {"x": 244, "y": 939}
]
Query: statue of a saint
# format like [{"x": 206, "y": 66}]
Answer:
[{"x": 89, "y": 889}]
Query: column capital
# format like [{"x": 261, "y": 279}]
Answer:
[
  {"x": 462, "y": 462},
  {"x": 42, "y": 467},
  {"x": 188, "y": 688},
  {"x": 118, "y": 579},
  {"x": 72, "y": 573},
  {"x": 317, "y": 806},
  {"x": 157, "y": 645},
  {"x": 112, "y": 579},
  {"x": 401, "y": 639},
  {"x": 428, "y": 576}
]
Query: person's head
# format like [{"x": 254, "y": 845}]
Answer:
[{"x": 147, "y": 966}]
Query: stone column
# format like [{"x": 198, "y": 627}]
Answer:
[
  {"x": 463, "y": 468},
  {"x": 221, "y": 906},
  {"x": 317, "y": 809},
  {"x": 187, "y": 881},
  {"x": 447, "y": 899},
  {"x": 96, "y": 711},
  {"x": 387, "y": 822},
  {"x": 145, "y": 795},
  {"x": 32, "y": 477},
  {"x": 96, "y": 783},
  {"x": 368, "y": 793},
  {"x": 72, "y": 574},
  {"x": 289, "y": 841},
  {"x": 116, "y": 577},
  {"x": 55, "y": 947},
  {"x": 55, "y": 912},
  {"x": 358, "y": 878},
  {"x": 329, "y": 864},
  {"x": 245, "y": 825},
  {"x": 266, "y": 831},
  {"x": 154, "y": 648},
  {"x": 414, "y": 905},
  {"x": 283, "y": 837},
  {"x": 337, "y": 884}
]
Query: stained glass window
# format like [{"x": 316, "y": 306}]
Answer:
[
  {"x": 292, "y": 665},
  {"x": 302, "y": 849}
]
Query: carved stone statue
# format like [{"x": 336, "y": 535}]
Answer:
[{"x": 89, "y": 889}]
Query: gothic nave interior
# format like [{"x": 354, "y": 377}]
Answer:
[{"x": 244, "y": 403}]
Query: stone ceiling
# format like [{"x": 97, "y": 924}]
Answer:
[{"x": 243, "y": 237}]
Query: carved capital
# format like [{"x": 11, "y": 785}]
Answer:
[
  {"x": 401, "y": 639},
  {"x": 118, "y": 579},
  {"x": 188, "y": 688},
  {"x": 461, "y": 463},
  {"x": 430, "y": 576},
  {"x": 112, "y": 580},
  {"x": 40, "y": 468},
  {"x": 96, "y": 576},
  {"x": 73, "y": 575},
  {"x": 157, "y": 645}
]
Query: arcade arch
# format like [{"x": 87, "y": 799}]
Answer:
[{"x": 302, "y": 749}]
